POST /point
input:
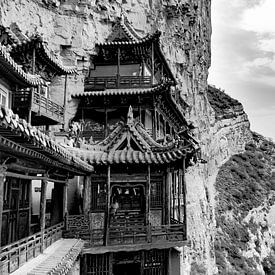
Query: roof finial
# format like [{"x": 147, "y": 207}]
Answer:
[{"x": 130, "y": 116}]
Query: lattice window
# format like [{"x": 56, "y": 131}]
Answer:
[
  {"x": 155, "y": 262},
  {"x": 98, "y": 194},
  {"x": 156, "y": 191},
  {"x": 98, "y": 264}
]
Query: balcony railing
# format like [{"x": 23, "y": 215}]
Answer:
[
  {"x": 14, "y": 255},
  {"x": 47, "y": 107},
  {"x": 40, "y": 104},
  {"x": 79, "y": 227},
  {"x": 116, "y": 82}
]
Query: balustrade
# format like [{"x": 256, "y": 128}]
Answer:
[
  {"x": 79, "y": 226},
  {"x": 115, "y": 82},
  {"x": 14, "y": 255},
  {"x": 39, "y": 104}
]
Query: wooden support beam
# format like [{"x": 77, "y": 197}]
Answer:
[
  {"x": 86, "y": 194},
  {"x": 148, "y": 195},
  {"x": 3, "y": 170},
  {"x": 168, "y": 196},
  {"x": 118, "y": 67},
  {"x": 184, "y": 191},
  {"x": 32, "y": 89},
  {"x": 179, "y": 176},
  {"x": 30, "y": 206},
  {"x": 153, "y": 63},
  {"x": 65, "y": 100},
  {"x": 65, "y": 203},
  {"x": 107, "y": 212},
  {"x": 43, "y": 193}
]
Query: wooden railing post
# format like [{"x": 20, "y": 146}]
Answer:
[
  {"x": 107, "y": 212},
  {"x": 44, "y": 184},
  {"x": 3, "y": 170},
  {"x": 65, "y": 204}
]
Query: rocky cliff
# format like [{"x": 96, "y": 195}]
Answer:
[{"x": 73, "y": 27}]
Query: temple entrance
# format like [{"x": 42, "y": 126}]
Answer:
[
  {"x": 127, "y": 269},
  {"x": 130, "y": 200}
]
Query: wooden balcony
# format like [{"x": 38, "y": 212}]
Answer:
[
  {"x": 117, "y": 82},
  {"x": 46, "y": 112},
  {"x": 127, "y": 238},
  {"x": 14, "y": 255}
]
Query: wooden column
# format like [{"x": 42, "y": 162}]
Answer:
[
  {"x": 148, "y": 197},
  {"x": 153, "y": 62},
  {"x": 168, "y": 196},
  {"x": 32, "y": 89},
  {"x": 179, "y": 192},
  {"x": 148, "y": 205},
  {"x": 3, "y": 170},
  {"x": 107, "y": 213},
  {"x": 118, "y": 67},
  {"x": 65, "y": 100},
  {"x": 65, "y": 204},
  {"x": 184, "y": 196},
  {"x": 30, "y": 206},
  {"x": 44, "y": 184},
  {"x": 86, "y": 194},
  {"x": 105, "y": 118}
]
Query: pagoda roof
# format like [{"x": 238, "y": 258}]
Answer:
[
  {"x": 14, "y": 71},
  {"x": 130, "y": 143},
  {"x": 19, "y": 136},
  {"x": 44, "y": 52},
  {"x": 128, "y": 91},
  {"x": 132, "y": 39}
]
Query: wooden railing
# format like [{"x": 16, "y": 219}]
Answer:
[
  {"x": 14, "y": 255},
  {"x": 79, "y": 226},
  {"x": 115, "y": 82},
  {"x": 48, "y": 107},
  {"x": 39, "y": 104}
]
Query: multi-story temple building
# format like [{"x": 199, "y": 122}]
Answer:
[{"x": 128, "y": 146}]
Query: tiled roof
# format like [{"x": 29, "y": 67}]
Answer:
[
  {"x": 130, "y": 91},
  {"x": 117, "y": 147},
  {"x": 146, "y": 39},
  {"x": 129, "y": 156},
  {"x": 33, "y": 140},
  {"x": 10, "y": 67},
  {"x": 42, "y": 48}
]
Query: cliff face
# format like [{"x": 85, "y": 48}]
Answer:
[{"x": 73, "y": 27}]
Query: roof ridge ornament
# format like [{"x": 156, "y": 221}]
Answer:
[{"x": 130, "y": 117}]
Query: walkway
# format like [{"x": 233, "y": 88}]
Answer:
[{"x": 57, "y": 259}]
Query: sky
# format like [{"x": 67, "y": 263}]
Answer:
[{"x": 243, "y": 57}]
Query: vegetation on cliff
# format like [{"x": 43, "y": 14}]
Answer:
[
  {"x": 243, "y": 183},
  {"x": 223, "y": 105}
]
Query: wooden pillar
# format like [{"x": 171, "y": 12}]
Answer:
[
  {"x": 65, "y": 100},
  {"x": 179, "y": 176},
  {"x": 106, "y": 120},
  {"x": 32, "y": 89},
  {"x": 168, "y": 196},
  {"x": 184, "y": 196},
  {"x": 86, "y": 194},
  {"x": 148, "y": 205},
  {"x": 30, "y": 206},
  {"x": 65, "y": 204},
  {"x": 107, "y": 212},
  {"x": 153, "y": 62},
  {"x": 118, "y": 67},
  {"x": 3, "y": 170},
  {"x": 44, "y": 184},
  {"x": 148, "y": 197}
]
